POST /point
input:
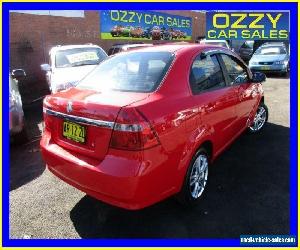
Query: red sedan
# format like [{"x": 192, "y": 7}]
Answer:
[{"x": 147, "y": 124}]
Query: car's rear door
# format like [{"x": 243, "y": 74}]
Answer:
[
  {"x": 215, "y": 101},
  {"x": 247, "y": 93}
]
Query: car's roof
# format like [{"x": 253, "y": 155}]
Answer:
[
  {"x": 132, "y": 45},
  {"x": 65, "y": 47},
  {"x": 169, "y": 47}
]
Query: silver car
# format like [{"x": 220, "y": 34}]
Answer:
[
  {"x": 68, "y": 64},
  {"x": 16, "y": 114},
  {"x": 271, "y": 57}
]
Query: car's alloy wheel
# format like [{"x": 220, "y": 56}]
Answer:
[
  {"x": 260, "y": 119},
  {"x": 198, "y": 176},
  {"x": 195, "y": 180}
]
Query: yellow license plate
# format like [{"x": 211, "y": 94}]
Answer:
[
  {"x": 265, "y": 67},
  {"x": 74, "y": 132}
]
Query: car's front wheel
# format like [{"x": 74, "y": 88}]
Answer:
[
  {"x": 260, "y": 119},
  {"x": 195, "y": 179}
]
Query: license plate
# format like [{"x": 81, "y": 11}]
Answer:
[
  {"x": 265, "y": 67},
  {"x": 74, "y": 131}
]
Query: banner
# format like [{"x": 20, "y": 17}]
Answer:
[
  {"x": 144, "y": 25},
  {"x": 245, "y": 25}
]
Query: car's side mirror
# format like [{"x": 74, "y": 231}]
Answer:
[
  {"x": 18, "y": 74},
  {"x": 258, "y": 77},
  {"x": 45, "y": 67}
]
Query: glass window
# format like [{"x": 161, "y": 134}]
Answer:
[
  {"x": 271, "y": 50},
  {"x": 78, "y": 57},
  {"x": 206, "y": 74},
  {"x": 236, "y": 72},
  {"x": 135, "y": 71}
]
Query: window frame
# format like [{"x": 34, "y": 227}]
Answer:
[
  {"x": 238, "y": 61},
  {"x": 210, "y": 89}
]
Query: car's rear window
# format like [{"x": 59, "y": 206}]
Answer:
[{"x": 135, "y": 72}]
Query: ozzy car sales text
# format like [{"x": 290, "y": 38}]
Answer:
[
  {"x": 242, "y": 25},
  {"x": 149, "y": 18}
]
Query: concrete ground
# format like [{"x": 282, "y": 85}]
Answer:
[{"x": 248, "y": 191}]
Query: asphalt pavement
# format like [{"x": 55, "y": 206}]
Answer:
[{"x": 248, "y": 191}]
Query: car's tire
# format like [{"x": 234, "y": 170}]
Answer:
[
  {"x": 260, "y": 119},
  {"x": 195, "y": 181}
]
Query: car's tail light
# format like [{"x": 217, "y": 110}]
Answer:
[{"x": 132, "y": 131}]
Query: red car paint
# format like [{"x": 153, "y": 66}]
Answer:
[{"x": 174, "y": 122}]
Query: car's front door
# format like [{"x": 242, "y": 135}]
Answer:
[
  {"x": 214, "y": 100},
  {"x": 246, "y": 92}
]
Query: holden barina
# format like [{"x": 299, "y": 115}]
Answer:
[{"x": 147, "y": 124}]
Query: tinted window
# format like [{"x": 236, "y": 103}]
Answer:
[
  {"x": 236, "y": 71},
  {"x": 206, "y": 74},
  {"x": 136, "y": 71},
  {"x": 78, "y": 57}
]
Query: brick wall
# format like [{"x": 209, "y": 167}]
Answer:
[{"x": 32, "y": 36}]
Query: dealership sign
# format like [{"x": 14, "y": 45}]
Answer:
[
  {"x": 247, "y": 25},
  {"x": 144, "y": 25}
]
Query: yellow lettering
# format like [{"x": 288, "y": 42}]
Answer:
[
  {"x": 147, "y": 19},
  {"x": 161, "y": 20},
  {"x": 253, "y": 24},
  {"x": 218, "y": 16},
  {"x": 132, "y": 14},
  {"x": 139, "y": 16},
  {"x": 211, "y": 34},
  {"x": 236, "y": 24},
  {"x": 274, "y": 20},
  {"x": 124, "y": 14},
  {"x": 114, "y": 15}
]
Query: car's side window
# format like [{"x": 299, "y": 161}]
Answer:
[
  {"x": 236, "y": 71},
  {"x": 206, "y": 74}
]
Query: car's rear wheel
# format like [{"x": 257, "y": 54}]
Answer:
[
  {"x": 260, "y": 119},
  {"x": 195, "y": 179}
]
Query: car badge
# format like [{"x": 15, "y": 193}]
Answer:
[{"x": 69, "y": 107}]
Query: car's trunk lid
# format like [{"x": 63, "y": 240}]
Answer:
[{"x": 94, "y": 111}]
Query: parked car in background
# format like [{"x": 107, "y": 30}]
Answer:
[
  {"x": 165, "y": 34},
  {"x": 147, "y": 33},
  {"x": 136, "y": 32},
  {"x": 70, "y": 63},
  {"x": 246, "y": 50},
  {"x": 116, "y": 30},
  {"x": 16, "y": 115},
  {"x": 125, "y": 47},
  {"x": 271, "y": 57},
  {"x": 147, "y": 124},
  {"x": 126, "y": 31},
  {"x": 222, "y": 43},
  {"x": 156, "y": 33}
]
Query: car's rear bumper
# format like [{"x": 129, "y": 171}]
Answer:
[{"x": 127, "y": 182}]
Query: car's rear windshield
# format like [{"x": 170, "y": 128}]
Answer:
[
  {"x": 134, "y": 72},
  {"x": 271, "y": 50},
  {"x": 79, "y": 57}
]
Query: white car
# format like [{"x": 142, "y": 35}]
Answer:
[
  {"x": 16, "y": 114},
  {"x": 70, "y": 63},
  {"x": 222, "y": 43}
]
